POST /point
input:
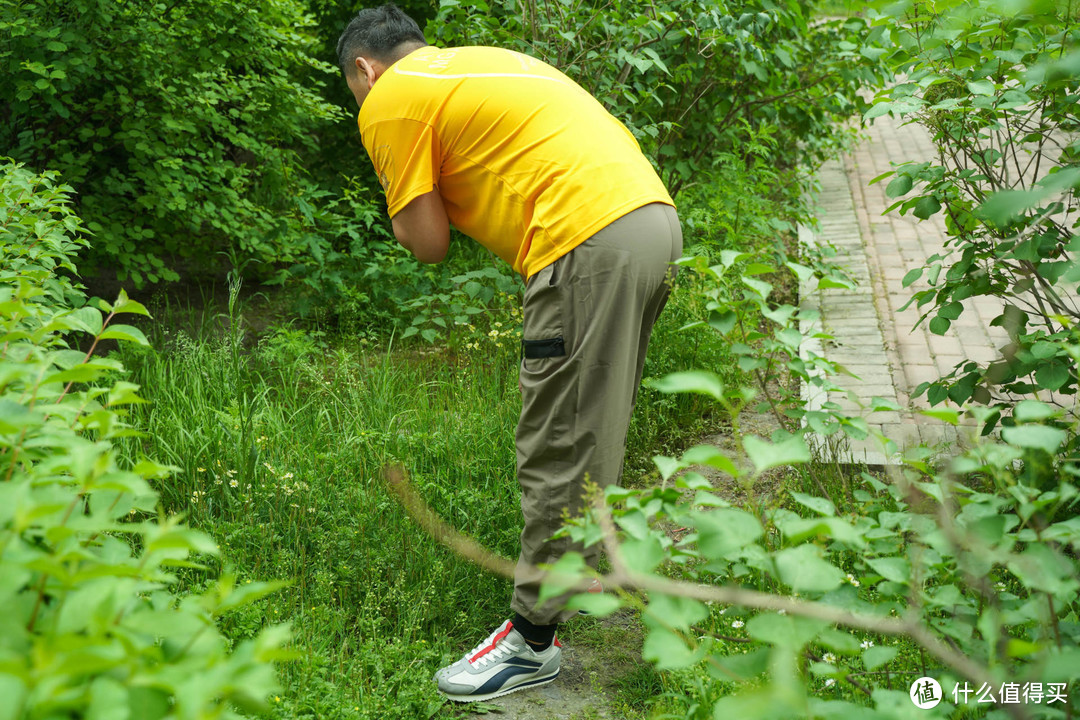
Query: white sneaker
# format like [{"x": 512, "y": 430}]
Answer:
[{"x": 501, "y": 664}]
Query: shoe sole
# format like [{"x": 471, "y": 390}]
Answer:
[{"x": 490, "y": 696}]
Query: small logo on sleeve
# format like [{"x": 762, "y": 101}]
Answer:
[{"x": 383, "y": 160}]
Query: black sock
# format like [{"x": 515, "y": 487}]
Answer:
[{"x": 539, "y": 637}]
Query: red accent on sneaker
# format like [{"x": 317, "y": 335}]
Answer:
[
  {"x": 494, "y": 641},
  {"x": 557, "y": 643}
]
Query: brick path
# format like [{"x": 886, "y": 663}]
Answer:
[{"x": 873, "y": 337}]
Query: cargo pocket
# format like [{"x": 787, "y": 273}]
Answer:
[
  {"x": 546, "y": 348},
  {"x": 542, "y": 332}
]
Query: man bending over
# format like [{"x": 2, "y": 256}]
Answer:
[{"x": 523, "y": 160}]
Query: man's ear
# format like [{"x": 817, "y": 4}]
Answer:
[{"x": 369, "y": 70}]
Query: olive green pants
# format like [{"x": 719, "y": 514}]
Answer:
[{"x": 587, "y": 321}]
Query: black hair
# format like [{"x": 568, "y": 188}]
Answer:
[{"x": 375, "y": 33}]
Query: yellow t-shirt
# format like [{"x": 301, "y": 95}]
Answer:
[{"x": 526, "y": 162}]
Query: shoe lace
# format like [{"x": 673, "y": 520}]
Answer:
[{"x": 495, "y": 654}]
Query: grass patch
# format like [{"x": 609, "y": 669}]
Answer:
[{"x": 278, "y": 444}]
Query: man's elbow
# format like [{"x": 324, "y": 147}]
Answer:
[
  {"x": 430, "y": 253},
  {"x": 431, "y": 248}
]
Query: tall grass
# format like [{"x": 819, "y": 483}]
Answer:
[{"x": 278, "y": 446}]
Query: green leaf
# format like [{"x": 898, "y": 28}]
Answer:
[
  {"x": 801, "y": 271},
  {"x": 838, "y": 641},
  {"x": 711, "y": 456},
  {"x": 634, "y": 522},
  {"x": 912, "y": 276},
  {"x": 643, "y": 554},
  {"x": 926, "y": 206},
  {"x": 1043, "y": 350},
  {"x": 760, "y": 287},
  {"x": 183, "y": 538},
  {"x": 952, "y": 417},
  {"x": 739, "y": 667},
  {"x": 249, "y": 593},
  {"x": 724, "y": 532},
  {"x": 148, "y": 703},
  {"x": 877, "y": 110},
  {"x": 1005, "y": 206},
  {"x": 124, "y": 304},
  {"x": 1035, "y": 437},
  {"x": 876, "y": 656},
  {"x": 675, "y": 612},
  {"x": 85, "y": 373},
  {"x": 802, "y": 568},
  {"x": 940, "y": 325},
  {"x": 124, "y": 333},
  {"x": 730, "y": 257},
  {"x": 981, "y": 87},
  {"x": 596, "y": 604},
  {"x": 1040, "y": 568},
  {"x": 723, "y": 321},
  {"x": 895, "y": 569},
  {"x": 790, "y": 337},
  {"x": 1052, "y": 375},
  {"x": 797, "y": 531},
  {"x": 13, "y": 690},
  {"x": 668, "y": 650},
  {"x": 873, "y": 53},
  {"x": 821, "y": 506},
  {"x": 88, "y": 319},
  {"x": 951, "y": 311},
  {"x": 880, "y": 404},
  {"x": 703, "y": 498},
  {"x": 1066, "y": 531},
  {"x": 1021, "y": 648},
  {"x": 667, "y": 466},
  {"x": 691, "y": 381},
  {"x": 900, "y": 185},
  {"x": 765, "y": 454},
  {"x": 166, "y": 622},
  {"x": 565, "y": 574},
  {"x": 788, "y": 630}
]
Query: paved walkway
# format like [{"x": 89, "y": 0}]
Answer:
[{"x": 874, "y": 338}]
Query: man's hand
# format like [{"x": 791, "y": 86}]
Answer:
[{"x": 423, "y": 228}]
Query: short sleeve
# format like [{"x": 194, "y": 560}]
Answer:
[{"x": 406, "y": 158}]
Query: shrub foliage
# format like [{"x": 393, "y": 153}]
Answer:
[
  {"x": 182, "y": 125},
  {"x": 997, "y": 92},
  {"x": 88, "y": 626}
]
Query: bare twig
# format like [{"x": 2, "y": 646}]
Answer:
[
  {"x": 434, "y": 526},
  {"x": 625, "y": 578}
]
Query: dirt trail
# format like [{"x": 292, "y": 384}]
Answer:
[{"x": 577, "y": 694}]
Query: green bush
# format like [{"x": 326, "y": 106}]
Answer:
[
  {"x": 996, "y": 90},
  {"x": 793, "y": 596},
  {"x": 88, "y": 626},
  {"x": 183, "y": 127}
]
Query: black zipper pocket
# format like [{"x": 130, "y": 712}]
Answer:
[{"x": 547, "y": 348}]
